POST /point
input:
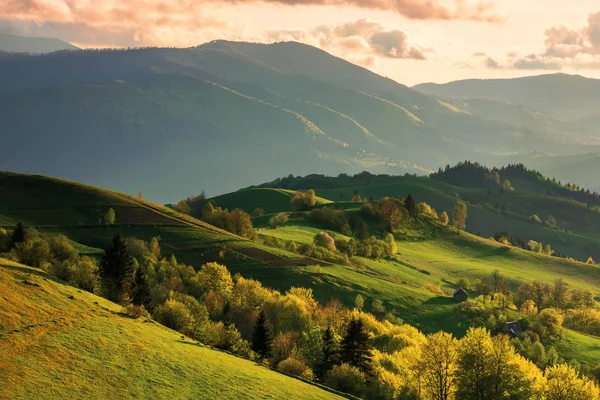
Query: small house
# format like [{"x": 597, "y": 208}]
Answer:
[
  {"x": 460, "y": 294},
  {"x": 513, "y": 328}
]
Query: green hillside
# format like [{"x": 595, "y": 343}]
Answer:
[
  {"x": 271, "y": 200},
  {"x": 59, "y": 342},
  {"x": 413, "y": 285},
  {"x": 490, "y": 210}
]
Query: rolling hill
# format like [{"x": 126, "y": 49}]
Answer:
[
  {"x": 565, "y": 96},
  {"x": 223, "y": 114},
  {"x": 270, "y": 200},
  {"x": 490, "y": 211},
  {"x": 428, "y": 253},
  {"x": 58, "y": 342},
  {"x": 23, "y": 44}
]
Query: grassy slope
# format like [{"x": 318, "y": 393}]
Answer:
[
  {"x": 486, "y": 220},
  {"x": 60, "y": 206},
  {"x": 59, "y": 342},
  {"x": 426, "y": 255},
  {"x": 271, "y": 200},
  {"x": 431, "y": 255}
]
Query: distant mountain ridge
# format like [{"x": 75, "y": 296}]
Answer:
[
  {"x": 565, "y": 96},
  {"x": 171, "y": 122},
  {"x": 26, "y": 44}
]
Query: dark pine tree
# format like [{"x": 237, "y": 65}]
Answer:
[
  {"x": 362, "y": 230},
  {"x": 356, "y": 346},
  {"x": 261, "y": 338},
  {"x": 116, "y": 271},
  {"x": 410, "y": 205},
  {"x": 140, "y": 290},
  {"x": 18, "y": 235},
  {"x": 329, "y": 355}
]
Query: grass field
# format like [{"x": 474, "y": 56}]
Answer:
[{"x": 57, "y": 342}]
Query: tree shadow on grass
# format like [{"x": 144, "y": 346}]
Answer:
[{"x": 440, "y": 300}]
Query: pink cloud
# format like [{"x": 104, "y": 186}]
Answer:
[
  {"x": 476, "y": 10},
  {"x": 362, "y": 41}
]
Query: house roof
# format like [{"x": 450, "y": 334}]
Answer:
[
  {"x": 513, "y": 327},
  {"x": 458, "y": 291}
]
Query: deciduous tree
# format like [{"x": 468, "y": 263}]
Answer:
[{"x": 459, "y": 216}]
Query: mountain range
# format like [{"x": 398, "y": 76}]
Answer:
[
  {"x": 25, "y": 44},
  {"x": 172, "y": 122}
]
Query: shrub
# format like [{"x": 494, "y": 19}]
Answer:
[
  {"x": 296, "y": 367},
  {"x": 302, "y": 201},
  {"x": 535, "y": 219},
  {"x": 239, "y": 223},
  {"x": 34, "y": 252},
  {"x": 323, "y": 239},
  {"x": 174, "y": 315},
  {"x": 135, "y": 311},
  {"x": 346, "y": 378},
  {"x": 426, "y": 210},
  {"x": 443, "y": 218},
  {"x": 463, "y": 283},
  {"x": 258, "y": 212},
  {"x": 61, "y": 248},
  {"x": 278, "y": 220},
  {"x": 291, "y": 246},
  {"x": 110, "y": 217}
]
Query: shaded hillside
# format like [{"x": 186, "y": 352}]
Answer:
[
  {"x": 175, "y": 121},
  {"x": 163, "y": 137},
  {"x": 580, "y": 168},
  {"x": 60, "y": 342},
  {"x": 24, "y": 44},
  {"x": 562, "y": 95}
]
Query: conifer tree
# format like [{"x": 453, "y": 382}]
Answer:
[
  {"x": 329, "y": 356},
  {"x": 410, "y": 205},
  {"x": 261, "y": 338},
  {"x": 18, "y": 235},
  {"x": 116, "y": 271},
  {"x": 140, "y": 292},
  {"x": 356, "y": 346}
]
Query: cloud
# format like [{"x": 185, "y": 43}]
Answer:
[
  {"x": 536, "y": 62},
  {"x": 565, "y": 47},
  {"x": 476, "y": 10},
  {"x": 492, "y": 64},
  {"x": 362, "y": 41},
  {"x": 114, "y": 22},
  {"x": 577, "y": 48}
]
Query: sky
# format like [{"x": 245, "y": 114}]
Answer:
[{"x": 410, "y": 41}]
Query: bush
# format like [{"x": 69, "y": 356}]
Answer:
[
  {"x": 302, "y": 201},
  {"x": 346, "y": 378},
  {"x": 85, "y": 276},
  {"x": 296, "y": 367},
  {"x": 61, "y": 248},
  {"x": 135, "y": 311},
  {"x": 34, "y": 252},
  {"x": 278, "y": 220},
  {"x": 323, "y": 239},
  {"x": 174, "y": 315}
]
